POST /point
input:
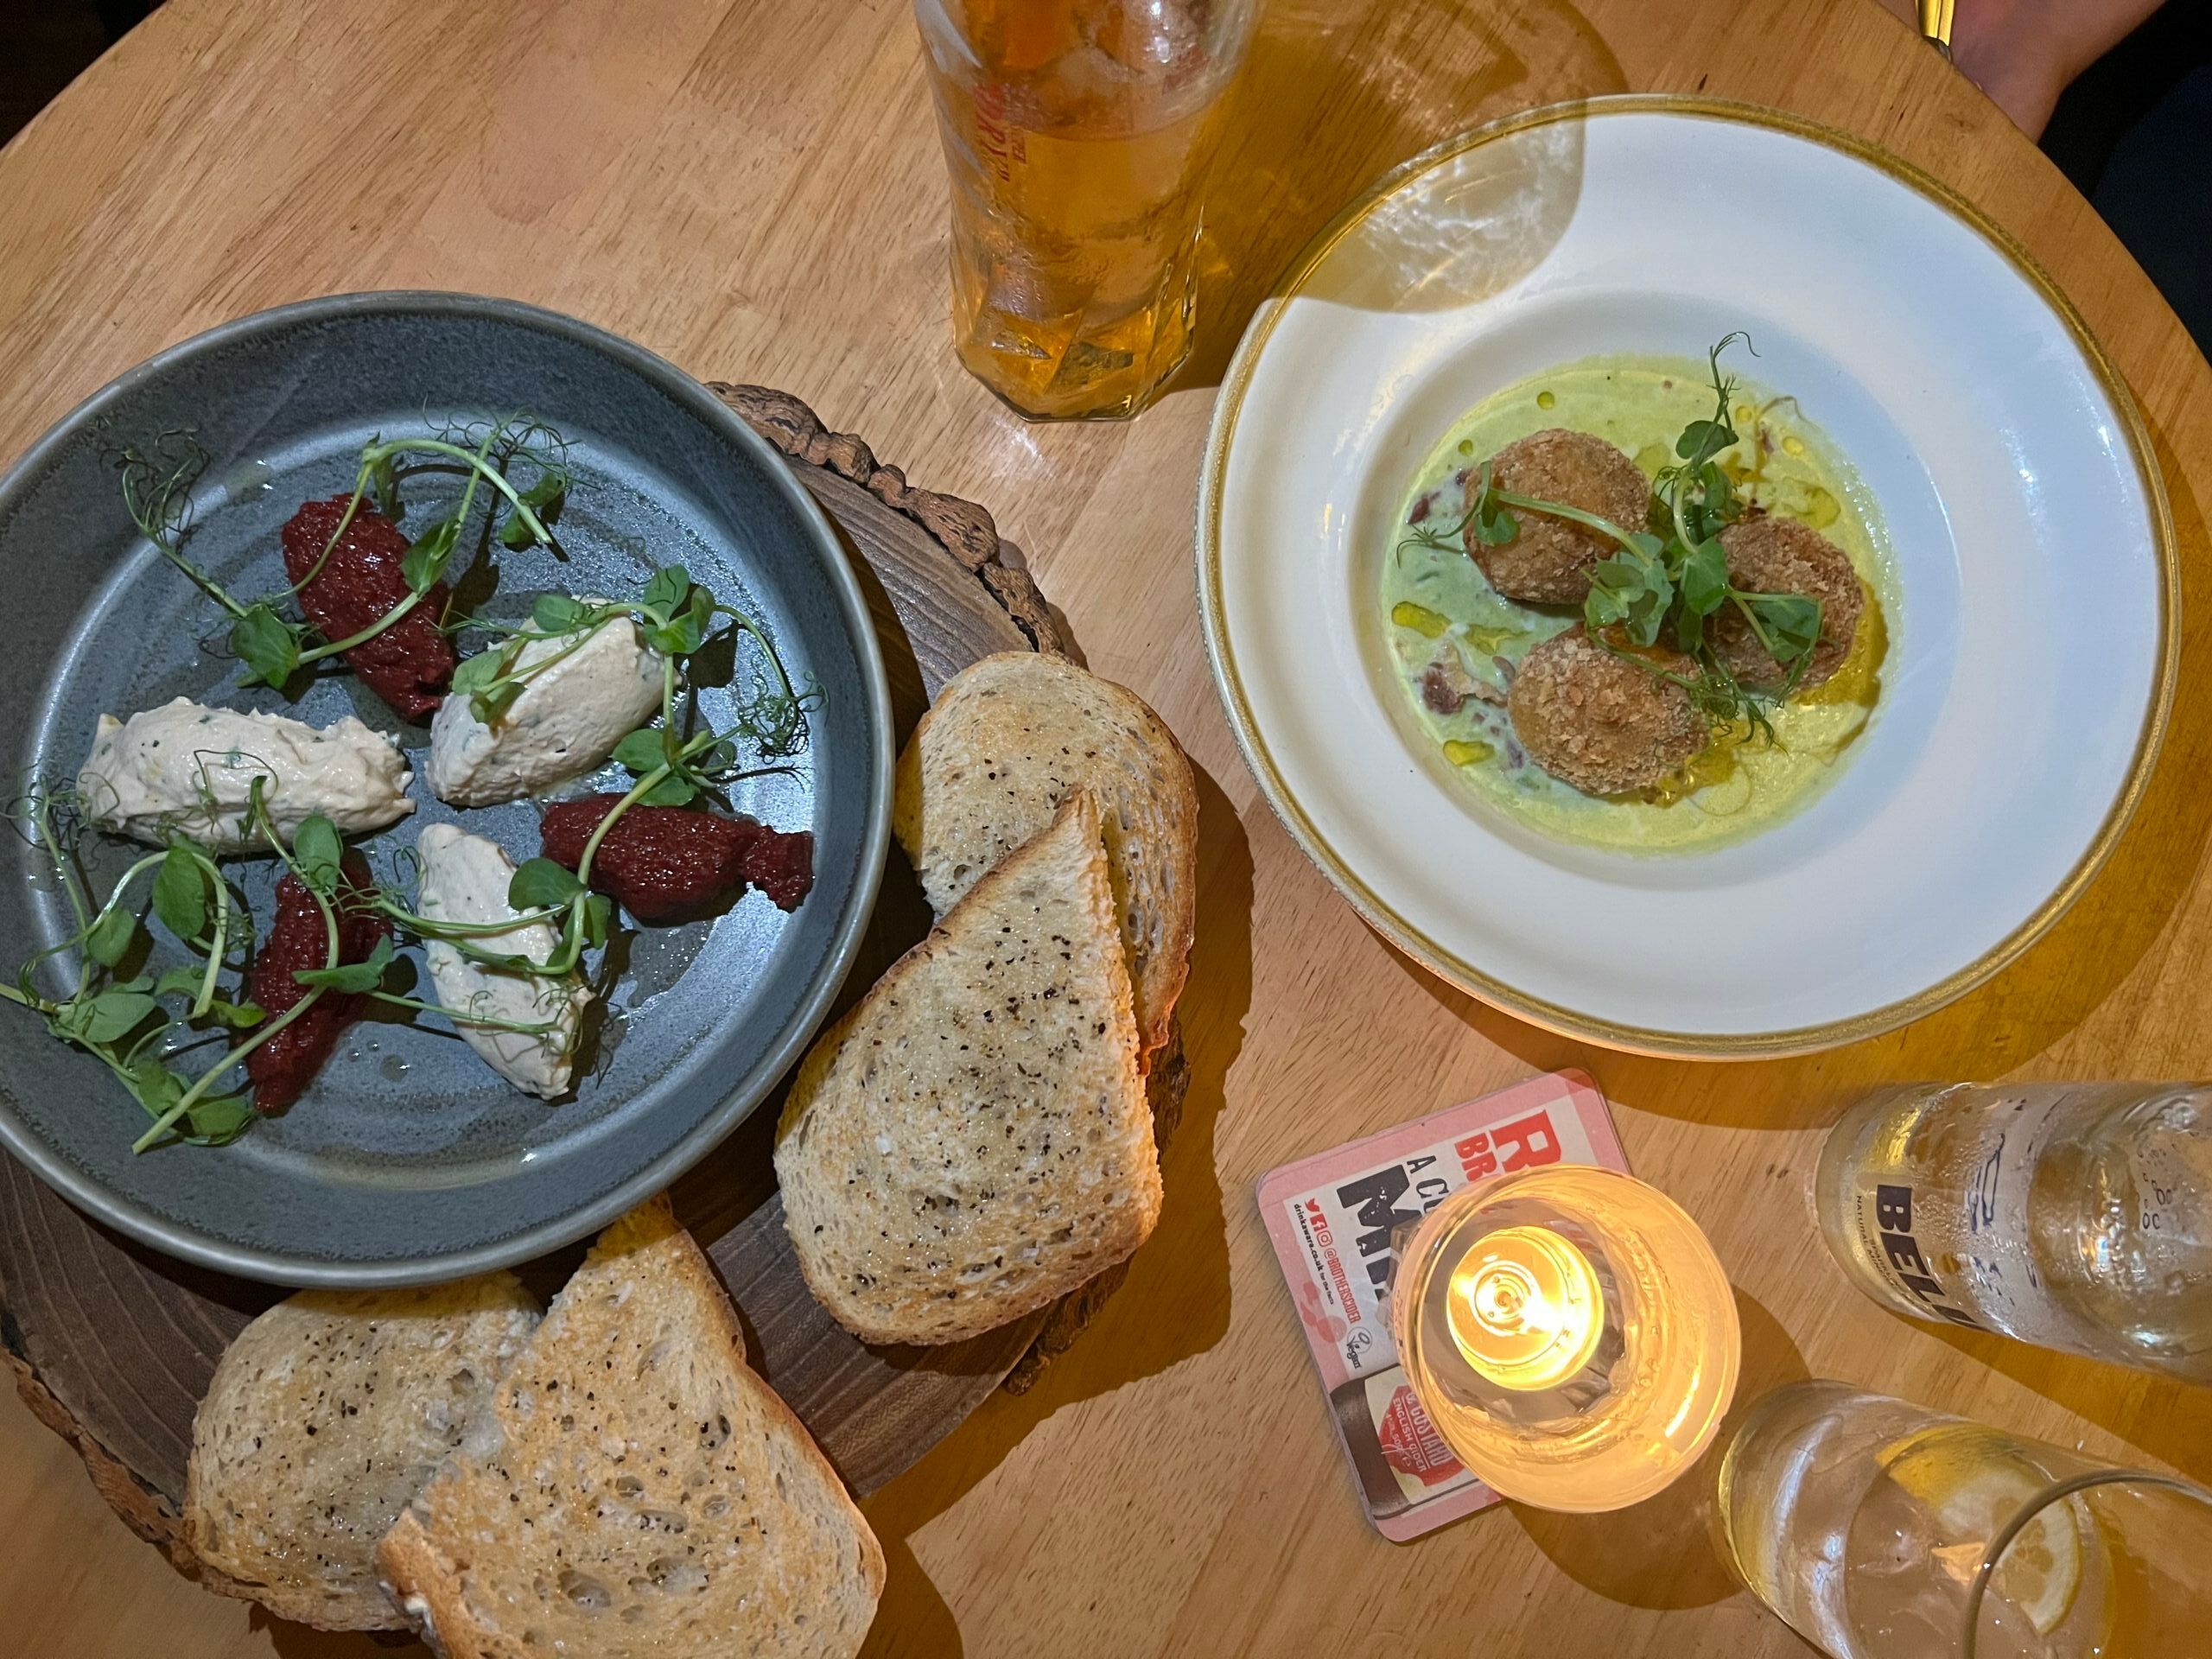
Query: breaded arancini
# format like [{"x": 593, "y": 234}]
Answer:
[
  {"x": 1605, "y": 725},
  {"x": 1768, "y": 555},
  {"x": 1548, "y": 563}
]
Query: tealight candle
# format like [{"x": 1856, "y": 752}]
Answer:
[
  {"x": 1569, "y": 1334},
  {"x": 1525, "y": 1309}
]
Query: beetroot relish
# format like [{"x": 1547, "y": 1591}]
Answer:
[
  {"x": 282, "y": 1068},
  {"x": 667, "y": 864},
  {"x": 781, "y": 866},
  {"x": 410, "y": 664}
]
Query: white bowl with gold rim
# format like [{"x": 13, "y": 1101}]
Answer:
[{"x": 2033, "y": 630}]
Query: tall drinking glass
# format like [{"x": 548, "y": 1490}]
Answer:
[
  {"x": 1078, "y": 134},
  {"x": 2076, "y": 1215},
  {"x": 1876, "y": 1529}
]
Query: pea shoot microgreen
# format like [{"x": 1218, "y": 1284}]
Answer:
[
  {"x": 123, "y": 1022},
  {"x": 672, "y": 763},
  {"x": 540, "y": 891},
  {"x": 677, "y": 618},
  {"x": 316, "y": 857},
  {"x": 126, "y": 1022},
  {"x": 1671, "y": 578},
  {"x": 158, "y": 481}
]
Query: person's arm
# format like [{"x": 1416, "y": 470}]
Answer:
[{"x": 2025, "y": 52}]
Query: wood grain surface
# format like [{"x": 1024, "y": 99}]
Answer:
[{"x": 754, "y": 189}]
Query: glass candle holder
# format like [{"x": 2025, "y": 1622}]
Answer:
[{"x": 1570, "y": 1334}]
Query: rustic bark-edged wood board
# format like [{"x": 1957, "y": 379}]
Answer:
[{"x": 112, "y": 1344}]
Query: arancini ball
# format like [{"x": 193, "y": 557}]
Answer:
[
  {"x": 1549, "y": 561},
  {"x": 1768, "y": 555},
  {"x": 1601, "y": 723}
]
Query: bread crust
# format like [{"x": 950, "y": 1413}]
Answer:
[
  {"x": 1008, "y": 739},
  {"x": 430, "y": 1581},
  {"x": 1111, "y": 1195},
  {"x": 276, "y": 1522}
]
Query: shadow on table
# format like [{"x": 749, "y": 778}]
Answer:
[
  {"x": 1664, "y": 1553},
  {"x": 912, "y": 1620},
  {"x": 1328, "y": 103},
  {"x": 2172, "y": 1421},
  {"x": 290, "y": 1641},
  {"x": 1175, "y": 1302}
]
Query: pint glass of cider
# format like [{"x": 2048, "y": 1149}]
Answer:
[{"x": 1078, "y": 134}]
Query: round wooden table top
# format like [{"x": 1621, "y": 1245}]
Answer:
[{"x": 754, "y": 190}]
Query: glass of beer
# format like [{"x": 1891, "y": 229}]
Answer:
[{"x": 1078, "y": 134}]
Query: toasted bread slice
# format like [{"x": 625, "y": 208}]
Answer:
[
  {"x": 324, "y": 1417},
  {"x": 1008, "y": 739},
  {"x": 635, "y": 1490},
  {"x": 972, "y": 1141}
]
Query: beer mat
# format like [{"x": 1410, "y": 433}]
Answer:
[{"x": 1332, "y": 1218}]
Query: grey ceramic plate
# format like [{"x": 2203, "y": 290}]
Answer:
[{"x": 409, "y": 1160}]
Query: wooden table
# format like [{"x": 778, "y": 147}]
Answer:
[{"x": 754, "y": 190}]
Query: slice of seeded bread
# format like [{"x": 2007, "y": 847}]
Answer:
[
  {"x": 634, "y": 1489},
  {"x": 972, "y": 1141},
  {"x": 1007, "y": 739},
  {"x": 324, "y": 1419}
]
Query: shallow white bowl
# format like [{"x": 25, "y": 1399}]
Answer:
[{"x": 2031, "y": 661}]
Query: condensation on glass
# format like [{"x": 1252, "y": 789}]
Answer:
[{"x": 2076, "y": 1216}]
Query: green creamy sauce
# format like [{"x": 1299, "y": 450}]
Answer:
[{"x": 1433, "y": 598}]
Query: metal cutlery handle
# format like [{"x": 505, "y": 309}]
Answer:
[{"x": 1935, "y": 22}]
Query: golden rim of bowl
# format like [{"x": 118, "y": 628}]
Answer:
[{"x": 1405, "y": 933}]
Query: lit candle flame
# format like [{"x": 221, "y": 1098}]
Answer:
[{"x": 1525, "y": 1307}]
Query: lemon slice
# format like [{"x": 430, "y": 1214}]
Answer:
[{"x": 1973, "y": 1488}]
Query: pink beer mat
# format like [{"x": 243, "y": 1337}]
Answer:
[{"x": 1331, "y": 1218}]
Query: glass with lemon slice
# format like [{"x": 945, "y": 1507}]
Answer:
[{"x": 1880, "y": 1530}]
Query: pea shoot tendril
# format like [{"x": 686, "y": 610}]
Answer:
[
  {"x": 1671, "y": 580},
  {"x": 158, "y": 479},
  {"x": 89, "y": 988}
]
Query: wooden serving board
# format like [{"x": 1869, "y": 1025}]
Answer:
[{"x": 112, "y": 1344}]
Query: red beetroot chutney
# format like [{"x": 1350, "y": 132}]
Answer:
[
  {"x": 282, "y": 1068},
  {"x": 410, "y": 664},
  {"x": 668, "y": 863}
]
